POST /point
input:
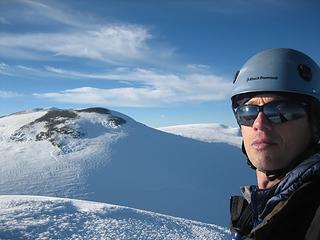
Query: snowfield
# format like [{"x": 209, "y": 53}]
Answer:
[
  {"x": 34, "y": 217},
  {"x": 207, "y": 132},
  {"x": 104, "y": 156}
]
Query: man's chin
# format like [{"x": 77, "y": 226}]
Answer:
[{"x": 265, "y": 164}]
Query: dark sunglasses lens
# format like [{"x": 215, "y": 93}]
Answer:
[
  {"x": 279, "y": 112},
  {"x": 246, "y": 114},
  {"x": 276, "y": 112}
]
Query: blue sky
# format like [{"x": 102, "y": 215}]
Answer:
[{"x": 160, "y": 62}]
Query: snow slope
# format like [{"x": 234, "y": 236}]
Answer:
[
  {"x": 34, "y": 217},
  {"x": 104, "y": 156},
  {"x": 207, "y": 132}
]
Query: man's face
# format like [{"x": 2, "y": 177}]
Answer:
[{"x": 271, "y": 146}]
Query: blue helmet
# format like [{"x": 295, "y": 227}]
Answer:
[
  {"x": 279, "y": 70},
  {"x": 284, "y": 71}
]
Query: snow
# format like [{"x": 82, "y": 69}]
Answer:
[
  {"x": 207, "y": 132},
  {"x": 35, "y": 217},
  {"x": 10, "y": 123},
  {"x": 91, "y": 157},
  {"x": 33, "y": 162}
]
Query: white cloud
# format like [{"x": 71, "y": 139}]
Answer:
[
  {"x": 45, "y": 12},
  {"x": 155, "y": 89},
  {"x": 5, "y": 69},
  {"x": 9, "y": 94},
  {"x": 123, "y": 45},
  {"x": 133, "y": 97},
  {"x": 79, "y": 35},
  {"x": 22, "y": 71},
  {"x": 198, "y": 67},
  {"x": 112, "y": 43}
]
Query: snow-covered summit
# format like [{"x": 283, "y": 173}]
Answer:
[
  {"x": 101, "y": 155},
  {"x": 59, "y": 127}
]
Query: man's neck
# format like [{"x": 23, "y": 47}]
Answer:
[{"x": 264, "y": 182}]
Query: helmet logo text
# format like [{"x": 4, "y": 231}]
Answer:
[{"x": 260, "y": 78}]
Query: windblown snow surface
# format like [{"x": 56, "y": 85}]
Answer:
[
  {"x": 104, "y": 156},
  {"x": 34, "y": 217}
]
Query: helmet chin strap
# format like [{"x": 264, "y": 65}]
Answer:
[{"x": 277, "y": 173}]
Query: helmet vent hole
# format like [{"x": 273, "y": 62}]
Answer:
[
  {"x": 305, "y": 72},
  {"x": 236, "y": 76}
]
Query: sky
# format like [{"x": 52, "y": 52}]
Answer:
[{"x": 160, "y": 62}]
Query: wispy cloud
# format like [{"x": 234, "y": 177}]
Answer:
[
  {"x": 149, "y": 88},
  {"x": 113, "y": 44},
  {"x": 141, "y": 87},
  {"x": 22, "y": 71},
  {"x": 3, "y": 20},
  {"x": 44, "y": 13},
  {"x": 78, "y": 37},
  {"x": 40, "y": 10},
  {"x": 125, "y": 47},
  {"x": 9, "y": 94},
  {"x": 5, "y": 69},
  {"x": 121, "y": 97}
]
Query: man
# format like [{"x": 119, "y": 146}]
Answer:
[{"x": 276, "y": 102}]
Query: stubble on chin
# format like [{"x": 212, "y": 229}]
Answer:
[{"x": 263, "y": 161}]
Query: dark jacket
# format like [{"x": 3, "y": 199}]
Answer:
[{"x": 288, "y": 210}]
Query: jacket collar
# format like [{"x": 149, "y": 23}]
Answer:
[{"x": 263, "y": 201}]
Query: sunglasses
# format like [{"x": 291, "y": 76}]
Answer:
[{"x": 276, "y": 111}]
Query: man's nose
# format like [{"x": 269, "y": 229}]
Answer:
[{"x": 262, "y": 122}]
